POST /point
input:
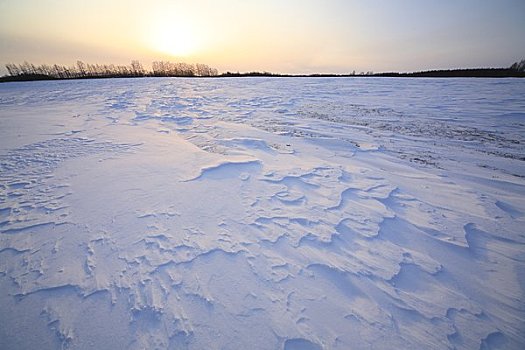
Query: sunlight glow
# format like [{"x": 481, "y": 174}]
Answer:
[{"x": 174, "y": 38}]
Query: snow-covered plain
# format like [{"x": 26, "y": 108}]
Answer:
[{"x": 261, "y": 213}]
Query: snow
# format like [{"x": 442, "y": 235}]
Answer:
[{"x": 301, "y": 213}]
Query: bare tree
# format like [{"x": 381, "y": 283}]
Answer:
[
  {"x": 135, "y": 69},
  {"x": 12, "y": 69},
  {"x": 518, "y": 66}
]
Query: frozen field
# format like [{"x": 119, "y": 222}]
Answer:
[{"x": 261, "y": 213}]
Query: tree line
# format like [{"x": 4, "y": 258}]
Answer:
[
  {"x": 29, "y": 71},
  {"x": 168, "y": 69},
  {"x": 516, "y": 70}
]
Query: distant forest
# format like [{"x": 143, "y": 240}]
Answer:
[
  {"x": 27, "y": 71},
  {"x": 516, "y": 70}
]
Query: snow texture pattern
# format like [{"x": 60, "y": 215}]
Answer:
[{"x": 262, "y": 213}]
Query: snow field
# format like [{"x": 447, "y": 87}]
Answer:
[{"x": 262, "y": 213}]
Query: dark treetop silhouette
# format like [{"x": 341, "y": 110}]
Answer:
[{"x": 28, "y": 71}]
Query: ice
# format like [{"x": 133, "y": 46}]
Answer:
[{"x": 262, "y": 213}]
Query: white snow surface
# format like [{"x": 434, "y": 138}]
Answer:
[{"x": 259, "y": 213}]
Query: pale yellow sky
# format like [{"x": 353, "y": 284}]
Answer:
[{"x": 279, "y": 36}]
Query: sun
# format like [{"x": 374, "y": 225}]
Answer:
[{"x": 174, "y": 38}]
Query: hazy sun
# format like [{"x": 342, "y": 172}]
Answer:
[{"x": 174, "y": 38}]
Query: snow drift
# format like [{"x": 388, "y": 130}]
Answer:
[{"x": 262, "y": 213}]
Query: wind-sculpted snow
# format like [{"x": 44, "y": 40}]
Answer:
[
  {"x": 29, "y": 197},
  {"x": 262, "y": 214}
]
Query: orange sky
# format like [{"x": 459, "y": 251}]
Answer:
[{"x": 280, "y": 36}]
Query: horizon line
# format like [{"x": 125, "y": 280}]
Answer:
[{"x": 170, "y": 68}]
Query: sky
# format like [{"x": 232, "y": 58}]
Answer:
[{"x": 282, "y": 36}]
